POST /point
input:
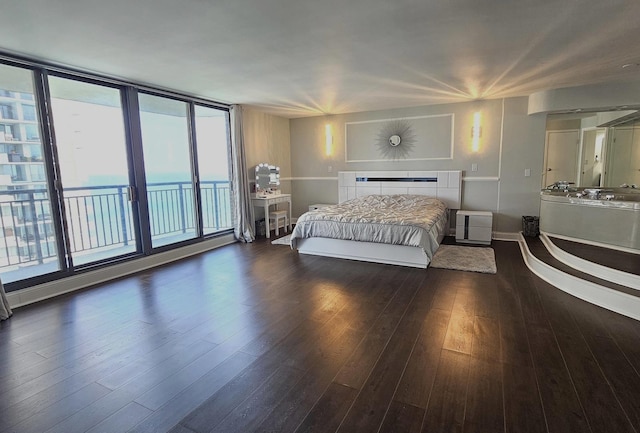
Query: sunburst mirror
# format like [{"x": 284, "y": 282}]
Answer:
[{"x": 396, "y": 139}]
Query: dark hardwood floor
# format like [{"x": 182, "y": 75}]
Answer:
[
  {"x": 258, "y": 338},
  {"x": 615, "y": 259}
]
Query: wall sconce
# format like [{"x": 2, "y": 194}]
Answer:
[
  {"x": 476, "y": 132},
  {"x": 328, "y": 137}
]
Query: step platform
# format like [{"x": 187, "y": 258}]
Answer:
[{"x": 603, "y": 276}]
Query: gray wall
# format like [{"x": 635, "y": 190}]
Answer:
[
  {"x": 267, "y": 140},
  {"x": 523, "y": 148},
  {"x": 511, "y": 142},
  {"x": 562, "y": 124}
]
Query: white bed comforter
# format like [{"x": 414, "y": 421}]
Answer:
[{"x": 412, "y": 220}]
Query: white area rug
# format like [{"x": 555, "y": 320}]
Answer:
[
  {"x": 474, "y": 259},
  {"x": 285, "y": 240}
]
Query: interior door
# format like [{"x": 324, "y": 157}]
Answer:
[
  {"x": 620, "y": 157},
  {"x": 561, "y": 156},
  {"x": 635, "y": 158},
  {"x": 591, "y": 157}
]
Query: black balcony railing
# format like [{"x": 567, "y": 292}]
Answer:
[{"x": 100, "y": 217}]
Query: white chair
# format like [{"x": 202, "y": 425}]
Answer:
[{"x": 276, "y": 216}]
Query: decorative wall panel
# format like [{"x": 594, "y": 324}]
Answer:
[{"x": 408, "y": 139}]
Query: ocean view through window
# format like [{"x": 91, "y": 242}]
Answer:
[{"x": 70, "y": 179}]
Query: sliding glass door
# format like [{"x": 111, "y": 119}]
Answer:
[
  {"x": 169, "y": 174},
  {"x": 27, "y": 234},
  {"x": 94, "y": 171},
  {"x": 92, "y": 153}
]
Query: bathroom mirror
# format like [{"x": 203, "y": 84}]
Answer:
[
  {"x": 599, "y": 149},
  {"x": 267, "y": 177}
]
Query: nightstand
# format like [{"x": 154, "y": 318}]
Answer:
[{"x": 474, "y": 227}]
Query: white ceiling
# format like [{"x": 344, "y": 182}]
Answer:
[{"x": 307, "y": 57}]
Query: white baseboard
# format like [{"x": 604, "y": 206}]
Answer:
[
  {"x": 506, "y": 236},
  {"x": 50, "y": 289}
]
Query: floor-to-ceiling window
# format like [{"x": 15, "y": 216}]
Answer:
[
  {"x": 92, "y": 153},
  {"x": 76, "y": 154},
  {"x": 27, "y": 234},
  {"x": 213, "y": 167}
]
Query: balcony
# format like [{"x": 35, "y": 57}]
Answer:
[{"x": 100, "y": 223}]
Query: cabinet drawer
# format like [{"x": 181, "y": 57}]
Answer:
[
  {"x": 473, "y": 233},
  {"x": 475, "y": 219},
  {"x": 480, "y": 235},
  {"x": 480, "y": 221}
]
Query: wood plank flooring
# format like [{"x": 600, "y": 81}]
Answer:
[
  {"x": 256, "y": 338},
  {"x": 620, "y": 260}
]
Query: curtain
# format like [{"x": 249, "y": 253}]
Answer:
[
  {"x": 242, "y": 207},
  {"x": 5, "y": 311}
]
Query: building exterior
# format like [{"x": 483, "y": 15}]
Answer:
[{"x": 27, "y": 232}]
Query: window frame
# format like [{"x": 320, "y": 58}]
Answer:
[{"x": 129, "y": 98}]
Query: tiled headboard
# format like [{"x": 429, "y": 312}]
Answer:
[{"x": 445, "y": 185}]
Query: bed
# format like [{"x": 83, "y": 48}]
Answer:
[{"x": 388, "y": 217}]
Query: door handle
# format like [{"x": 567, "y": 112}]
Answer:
[
  {"x": 132, "y": 194},
  {"x": 548, "y": 169}
]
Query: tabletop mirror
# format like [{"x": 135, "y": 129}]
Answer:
[{"x": 267, "y": 178}]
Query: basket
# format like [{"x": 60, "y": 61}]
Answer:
[
  {"x": 261, "y": 228},
  {"x": 530, "y": 226}
]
